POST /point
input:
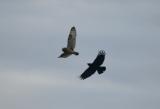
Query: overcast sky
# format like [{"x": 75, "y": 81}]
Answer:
[{"x": 32, "y": 33}]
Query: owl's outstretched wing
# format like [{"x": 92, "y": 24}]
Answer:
[{"x": 72, "y": 39}]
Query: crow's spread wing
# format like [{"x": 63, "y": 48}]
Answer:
[
  {"x": 87, "y": 73},
  {"x": 99, "y": 59},
  {"x": 72, "y": 39}
]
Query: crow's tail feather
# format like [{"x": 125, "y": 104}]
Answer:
[{"x": 100, "y": 70}]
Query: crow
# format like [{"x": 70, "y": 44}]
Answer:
[{"x": 95, "y": 66}]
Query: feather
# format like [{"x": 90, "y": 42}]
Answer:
[{"x": 72, "y": 38}]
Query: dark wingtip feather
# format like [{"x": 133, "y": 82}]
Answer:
[
  {"x": 76, "y": 53},
  {"x": 82, "y": 77}
]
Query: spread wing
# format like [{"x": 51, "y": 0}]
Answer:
[
  {"x": 64, "y": 55},
  {"x": 99, "y": 59},
  {"x": 87, "y": 73},
  {"x": 72, "y": 39}
]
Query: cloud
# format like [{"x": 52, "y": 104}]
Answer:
[{"x": 35, "y": 89}]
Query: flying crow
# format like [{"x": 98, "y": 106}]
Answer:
[{"x": 95, "y": 66}]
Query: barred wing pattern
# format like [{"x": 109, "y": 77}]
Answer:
[{"x": 72, "y": 39}]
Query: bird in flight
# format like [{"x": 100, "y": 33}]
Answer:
[
  {"x": 69, "y": 50},
  {"x": 95, "y": 66}
]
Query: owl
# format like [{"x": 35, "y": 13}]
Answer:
[{"x": 69, "y": 50}]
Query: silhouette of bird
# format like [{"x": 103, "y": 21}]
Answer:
[
  {"x": 69, "y": 50},
  {"x": 95, "y": 66}
]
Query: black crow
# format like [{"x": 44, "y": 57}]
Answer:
[{"x": 95, "y": 66}]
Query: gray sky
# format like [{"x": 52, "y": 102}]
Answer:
[{"x": 32, "y": 33}]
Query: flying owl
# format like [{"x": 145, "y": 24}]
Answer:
[
  {"x": 71, "y": 44},
  {"x": 95, "y": 66}
]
